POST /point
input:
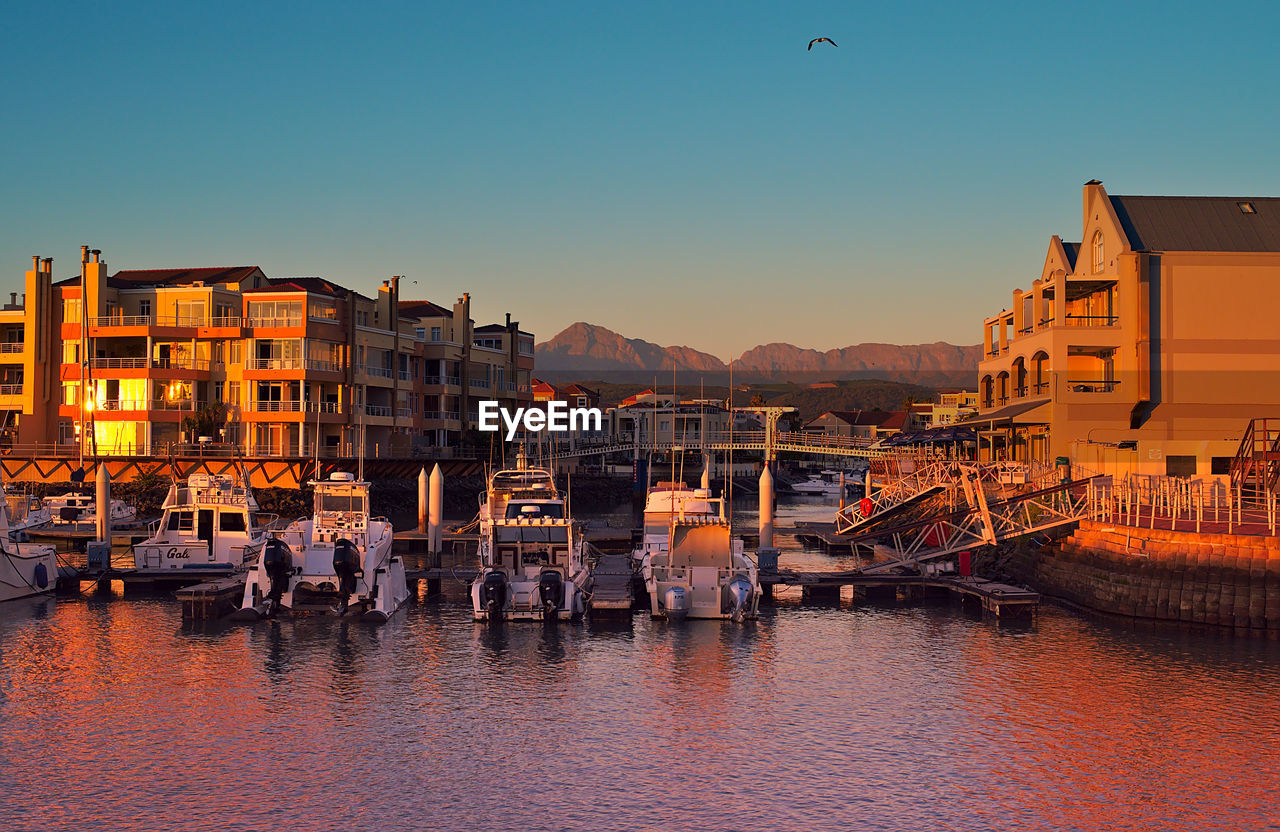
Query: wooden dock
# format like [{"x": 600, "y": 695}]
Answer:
[
  {"x": 211, "y": 600},
  {"x": 611, "y": 592},
  {"x": 823, "y": 536},
  {"x": 1003, "y": 600}
]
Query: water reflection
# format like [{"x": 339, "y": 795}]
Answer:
[{"x": 879, "y": 716}]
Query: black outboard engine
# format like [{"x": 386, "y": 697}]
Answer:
[
  {"x": 346, "y": 565},
  {"x": 551, "y": 591},
  {"x": 493, "y": 593},
  {"x": 277, "y": 560}
]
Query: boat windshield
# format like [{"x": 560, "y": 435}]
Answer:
[
  {"x": 532, "y": 534},
  {"x": 328, "y": 502},
  {"x": 515, "y": 510}
]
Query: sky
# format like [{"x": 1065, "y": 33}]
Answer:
[{"x": 687, "y": 173}]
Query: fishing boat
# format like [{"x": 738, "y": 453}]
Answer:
[
  {"x": 26, "y": 569},
  {"x": 73, "y": 509},
  {"x": 210, "y": 523},
  {"x": 26, "y": 511},
  {"x": 827, "y": 483},
  {"x": 693, "y": 567},
  {"x": 336, "y": 561},
  {"x": 531, "y": 552}
]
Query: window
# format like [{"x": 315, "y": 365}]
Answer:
[
  {"x": 322, "y": 309},
  {"x": 1180, "y": 466},
  {"x": 420, "y": 332},
  {"x": 1220, "y": 466},
  {"x": 435, "y": 333},
  {"x": 362, "y": 317},
  {"x": 70, "y": 352},
  {"x": 181, "y": 521},
  {"x": 144, "y": 307},
  {"x": 71, "y": 392},
  {"x": 1246, "y": 208},
  {"x": 233, "y": 392},
  {"x": 71, "y": 310},
  {"x": 1098, "y": 253},
  {"x": 191, "y": 313},
  {"x": 235, "y": 351},
  {"x": 218, "y": 388},
  {"x": 231, "y": 522}
]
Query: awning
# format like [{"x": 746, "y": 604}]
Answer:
[{"x": 1034, "y": 412}]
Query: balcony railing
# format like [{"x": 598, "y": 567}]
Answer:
[
  {"x": 381, "y": 372},
  {"x": 1092, "y": 320},
  {"x": 1091, "y": 385},
  {"x": 162, "y": 320},
  {"x": 1041, "y": 388},
  {"x": 276, "y": 323},
  {"x": 276, "y": 407},
  {"x": 377, "y": 410},
  {"x": 404, "y": 412},
  {"x": 406, "y": 375},
  {"x": 122, "y": 404},
  {"x": 176, "y": 404},
  {"x": 322, "y": 365},
  {"x": 480, "y": 384},
  {"x": 273, "y": 364},
  {"x": 13, "y": 346},
  {"x": 10, "y": 389},
  {"x": 134, "y": 362},
  {"x": 324, "y": 407},
  {"x": 456, "y": 381}
]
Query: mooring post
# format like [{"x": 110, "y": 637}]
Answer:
[
  {"x": 422, "y": 501},
  {"x": 435, "y": 521},
  {"x": 766, "y": 554},
  {"x": 706, "y": 472}
]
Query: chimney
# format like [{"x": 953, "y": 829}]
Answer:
[
  {"x": 96, "y": 253},
  {"x": 508, "y": 320},
  {"x": 35, "y": 263},
  {"x": 48, "y": 266},
  {"x": 13, "y": 298},
  {"x": 84, "y": 254}
]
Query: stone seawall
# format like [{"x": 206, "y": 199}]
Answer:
[{"x": 1216, "y": 580}]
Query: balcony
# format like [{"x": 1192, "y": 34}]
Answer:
[
  {"x": 379, "y": 372},
  {"x": 276, "y": 407},
  {"x": 377, "y": 410},
  {"x": 405, "y": 375},
  {"x": 273, "y": 364},
  {"x": 13, "y": 348},
  {"x": 1092, "y": 320},
  {"x": 11, "y": 389},
  {"x": 275, "y": 323},
  {"x": 404, "y": 412},
  {"x": 479, "y": 384},
  {"x": 141, "y": 363},
  {"x": 324, "y": 407},
  {"x": 1091, "y": 385}
]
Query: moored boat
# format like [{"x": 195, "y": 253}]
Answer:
[
  {"x": 532, "y": 564},
  {"x": 338, "y": 560},
  {"x": 26, "y": 569},
  {"x": 827, "y": 482},
  {"x": 693, "y": 567},
  {"x": 73, "y": 509},
  {"x": 212, "y": 522}
]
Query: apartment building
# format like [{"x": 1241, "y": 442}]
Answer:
[
  {"x": 137, "y": 361},
  {"x": 1145, "y": 347}
]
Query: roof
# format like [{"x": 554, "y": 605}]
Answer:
[
  {"x": 423, "y": 309},
  {"x": 865, "y": 418},
  {"x": 895, "y": 420},
  {"x": 1199, "y": 223},
  {"x": 1022, "y": 413},
  {"x": 1072, "y": 249},
  {"x": 491, "y": 328},
  {"x": 138, "y": 278},
  {"x": 314, "y": 285},
  {"x": 580, "y": 390}
]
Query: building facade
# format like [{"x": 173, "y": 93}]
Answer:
[
  {"x": 1148, "y": 346},
  {"x": 139, "y": 361}
]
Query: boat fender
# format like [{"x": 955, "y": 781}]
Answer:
[
  {"x": 41, "y": 576},
  {"x": 493, "y": 592},
  {"x": 346, "y": 565},
  {"x": 551, "y": 590},
  {"x": 277, "y": 561}
]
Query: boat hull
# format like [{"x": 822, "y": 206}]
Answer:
[{"x": 27, "y": 570}]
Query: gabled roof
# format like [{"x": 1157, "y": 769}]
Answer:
[
  {"x": 894, "y": 420},
  {"x": 490, "y": 328},
  {"x": 1072, "y": 250},
  {"x": 423, "y": 309},
  {"x": 144, "y": 278},
  {"x": 862, "y": 418},
  {"x": 1199, "y": 223},
  {"x": 576, "y": 389},
  {"x": 314, "y": 285}
]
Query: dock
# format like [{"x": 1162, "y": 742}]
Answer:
[
  {"x": 211, "y": 600},
  {"x": 822, "y": 536},
  {"x": 612, "y": 592},
  {"x": 1003, "y": 600}
]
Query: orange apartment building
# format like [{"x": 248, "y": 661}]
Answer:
[
  {"x": 1145, "y": 348},
  {"x": 299, "y": 365}
]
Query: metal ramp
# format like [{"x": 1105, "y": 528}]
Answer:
[
  {"x": 927, "y": 479},
  {"x": 981, "y": 523}
]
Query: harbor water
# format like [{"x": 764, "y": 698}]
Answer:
[{"x": 114, "y": 714}]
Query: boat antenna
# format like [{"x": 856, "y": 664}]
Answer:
[
  {"x": 362, "y": 439},
  {"x": 317, "y": 441},
  {"x": 729, "y": 474}
]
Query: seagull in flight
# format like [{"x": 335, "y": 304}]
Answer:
[{"x": 821, "y": 40}]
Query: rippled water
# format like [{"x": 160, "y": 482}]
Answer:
[{"x": 114, "y": 714}]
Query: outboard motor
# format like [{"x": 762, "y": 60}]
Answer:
[
  {"x": 277, "y": 560},
  {"x": 676, "y": 602},
  {"x": 493, "y": 593},
  {"x": 738, "y": 591},
  {"x": 551, "y": 591},
  {"x": 346, "y": 565}
]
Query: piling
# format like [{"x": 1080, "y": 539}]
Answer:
[
  {"x": 422, "y": 501},
  {"x": 766, "y": 554},
  {"x": 102, "y": 492},
  {"x": 435, "y": 518},
  {"x": 706, "y": 472}
]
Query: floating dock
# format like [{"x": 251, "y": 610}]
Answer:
[
  {"x": 612, "y": 591},
  {"x": 1003, "y": 600}
]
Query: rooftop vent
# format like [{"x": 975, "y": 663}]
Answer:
[{"x": 1246, "y": 208}]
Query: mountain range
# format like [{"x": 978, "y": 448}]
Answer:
[{"x": 585, "y": 350}]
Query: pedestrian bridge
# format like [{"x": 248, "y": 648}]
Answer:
[{"x": 765, "y": 443}]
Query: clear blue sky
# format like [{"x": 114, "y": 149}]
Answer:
[{"x": 682, "y": 172}]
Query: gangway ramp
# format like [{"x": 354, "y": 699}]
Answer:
[{"x": 925, "y": 481}]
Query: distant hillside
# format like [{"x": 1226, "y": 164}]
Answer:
[
  {"x": 584, "y": 350},
  {"x": 863, "y": 394}
]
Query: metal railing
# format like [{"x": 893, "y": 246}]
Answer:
[
  {"x": 1091, "y": 385},
  {"x": 10, "y": 389},
  {"x": 120, "y": 363},
  {"x": 406, "y": 375},
  {"x": 404, "y": 412},
  {"x": 324, "y": 407},
  {"x": 12, "y": 347},
  {"x": 273, "y": 364},
  {"x": 275, "y": 322},
  {"x": 276, "y": 407},
  {"x": 381, "y": 372},
  {"x": 456, "y": 381},
  {"x": 1092, "y": 320},
  {"x": 377, "y": 410},
  {"x": 479, "y": 384}
]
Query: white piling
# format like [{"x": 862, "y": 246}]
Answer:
[
  {"x": 766, "y": 509},
  {"x": 435, "y": 517},
  {"x": 422, "y": 501},
  {"x": 102, "y": 492},
  {"x": 842, "y": 491},
  {"x": 706, "y": 472}
]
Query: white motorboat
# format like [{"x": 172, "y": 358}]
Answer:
[
  {"x": 692, "y": 565},
  {"x": 210, "y": 523},
  {"x": 827, "y": 482},
  {"x": 72, "y": 509},
  {"x": 26, "y": 569},
  {"x": 26, "y": 511},
  {"x": 531, "y": 553},
  {"x": 338, "y": 560}
]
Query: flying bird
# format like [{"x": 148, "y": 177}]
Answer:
[{"x": 822, "y": 40}]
